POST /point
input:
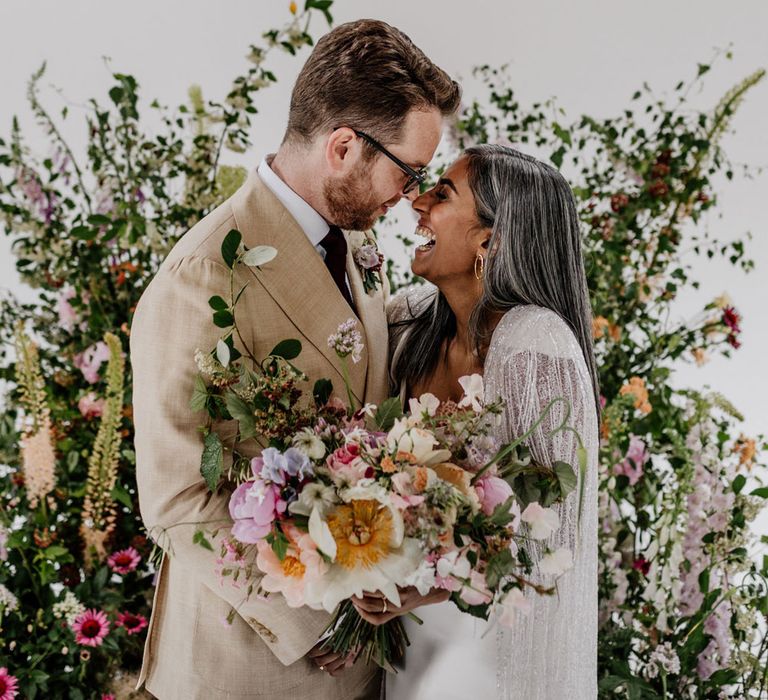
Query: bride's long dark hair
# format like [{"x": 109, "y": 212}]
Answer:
[{"x": 534, "y": 257}]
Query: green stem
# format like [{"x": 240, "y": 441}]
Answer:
[
  {"x": 345, "y": 375},
  {"x": 507, "y": 449},
  {"x": 43, "y": 114},
  {"x": 234, "y": 319}
]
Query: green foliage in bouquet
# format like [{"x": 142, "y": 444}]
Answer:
[{"x": 89, "y": 230}]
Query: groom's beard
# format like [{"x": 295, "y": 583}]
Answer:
[{"x": 351, "y": 204}]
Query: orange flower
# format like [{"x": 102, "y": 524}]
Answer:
[
  {"x": 388, "y": 465},
  {"x": 636, "y": 387},
  {"x": 599, "y": 326},
  {"x": 419, "y": 482},
  {"x": 406, "y": 457},
  {"x": 700, "y": 356},
  {"x": 293, "y": 8},
  {"x": 746, "y": 448},
  {"x": 615, "y": 332}
]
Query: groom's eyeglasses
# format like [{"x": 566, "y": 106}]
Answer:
[{"x": 415, "y": 177}]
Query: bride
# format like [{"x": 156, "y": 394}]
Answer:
[{"x": 508, "y": 300}]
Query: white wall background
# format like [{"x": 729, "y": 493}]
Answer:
[{"x": 591, "y": 55}]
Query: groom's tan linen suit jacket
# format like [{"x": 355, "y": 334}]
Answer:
[{"x": 191, "y": 651}]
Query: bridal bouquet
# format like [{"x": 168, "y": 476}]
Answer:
[{"x": 350, "y": 499}]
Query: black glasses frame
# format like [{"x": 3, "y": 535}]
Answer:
[{"x": 415, "y": 177}]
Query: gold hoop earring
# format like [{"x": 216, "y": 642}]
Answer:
[{"x": 479, "y": 275}]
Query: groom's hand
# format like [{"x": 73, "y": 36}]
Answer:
[
  {"x": 331, "y": 662},
  {"x": 376, "y": 609}
]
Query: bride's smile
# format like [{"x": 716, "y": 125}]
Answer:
[{"x": 449, "y": 222}]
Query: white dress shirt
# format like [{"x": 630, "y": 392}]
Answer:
[{"x": 315, "y": 227}]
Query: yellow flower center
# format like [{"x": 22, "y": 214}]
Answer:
[
  {"x": 293, "y": 567},
  {"x": 362, "y": 531}
]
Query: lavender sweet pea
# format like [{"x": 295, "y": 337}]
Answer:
[{"x": 276, "y": 467}]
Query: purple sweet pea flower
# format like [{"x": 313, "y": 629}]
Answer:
[
  {"x": 253, "y": 507},
  {"x": 275, "y": 467}
]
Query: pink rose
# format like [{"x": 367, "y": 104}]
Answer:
[
  {"x": 636, "y": 457},
  {"x": 492, "y": 492},
  {"x": 253, "y": 507},
  {"x": 345, "y": 464},
  {"x": 90, "y": 406}
]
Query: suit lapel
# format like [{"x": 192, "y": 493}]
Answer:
[
  {"x": 297, "y": 279},
  {"x": 370, "y": 310}
]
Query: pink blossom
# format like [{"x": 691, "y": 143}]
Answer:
[
  {"x": 476, "y": 591},
  {"x": 403, "y": 502},
  {"x": 89, "y": 361},
  {"x": 514, "y": 604},
  {"x": 124, "y": 561},
  {"x": 90, "y": 628},
  {"x": 253, "y": 507},
  {"x": 636, "y": 457},
  {"x": 133, "y": 624},
  {"x": 232, "y": 559},
  {"x": 401, "y": 482},
  {"x": 492, "y": 492},
  {"x": 90, "y": 406},
  {"x": 107, "y": 696},
  {"x": 345, "y": 464},
  {"x": 67, "y": 315},
  {"x": 451, "y": 569},
  {"x": 9, "y": 685}
]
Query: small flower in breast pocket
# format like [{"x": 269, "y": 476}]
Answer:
[{"x": 369, "y": 259}]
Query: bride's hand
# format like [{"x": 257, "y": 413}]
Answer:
[{"x": 376, "y": 609}]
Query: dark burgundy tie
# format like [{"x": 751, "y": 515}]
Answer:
[{"x": 335, "y": 246}]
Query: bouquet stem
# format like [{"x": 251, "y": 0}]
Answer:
[{"x": 380, "y": 644}]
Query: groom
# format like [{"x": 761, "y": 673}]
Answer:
[{"x": 365, "y": 118}]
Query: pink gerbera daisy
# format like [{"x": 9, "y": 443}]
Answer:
[
  {"x": 133, "y": 623},
  {"x": 90, "y": 628},
  {"x": 124, "y": 561},
  {"x": 8, "y": 685}
]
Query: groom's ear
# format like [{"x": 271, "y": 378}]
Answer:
[{"x": 339, "y": 149}]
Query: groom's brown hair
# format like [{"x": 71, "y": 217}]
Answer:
[{"x": 366, "y": 75}]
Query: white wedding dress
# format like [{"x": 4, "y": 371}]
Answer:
[{"x": 551, "y": 653}]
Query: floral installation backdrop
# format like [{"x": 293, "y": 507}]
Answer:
[{"x": 683, "y": 594}]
